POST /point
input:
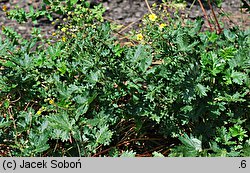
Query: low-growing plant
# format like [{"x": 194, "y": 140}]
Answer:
[
  {"x": 200, "y": 83},
  {"x": 67, "y": 95},
  {"x": 47, "y": 90}
]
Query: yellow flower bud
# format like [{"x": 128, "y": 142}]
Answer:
[
  {"x": 64, "y": 29},
  {"x": 162, "y": 25},
  {"x": 51, "y": 101},
  {"x": 4, "y": 8}
]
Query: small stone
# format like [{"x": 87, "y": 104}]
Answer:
[
  {"x": 22, "y": 28},
  {"x": 138, "y": 14}
]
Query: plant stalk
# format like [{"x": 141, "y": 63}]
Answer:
[
  {"x": 205, "y": 14},
  {"x": 215, "y": 18}
]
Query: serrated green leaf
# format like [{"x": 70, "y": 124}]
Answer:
[
  {"x": 229, "y": 35},
  {"x": 156, "y": 154},
  {"x": 94, "y": 76},
  {"x": 73, "y": 2},
  {"x": 145, "y": 63},
  {"x": 191, "y": 142},
  {"x": 246, "y": 149},
  {"x": 128, "y": 154},
  {"x": 61, "y": 124},
  {"x": 62, "y": 68},
  {"x": 201, "y": 90},
  {"x": 103, "y": 135},
  {"x": 137, "y": 54},
  {"x": 238, "y": 77},
  {"x": 5, "y": 124}
]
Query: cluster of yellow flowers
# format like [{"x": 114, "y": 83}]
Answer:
[
  {"x": 152, "y": 17},
  {"x": 42, "y": 109}
]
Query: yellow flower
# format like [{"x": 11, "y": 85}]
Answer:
[
  {"x": 54, "y": 34},
  {"x": 63, "y": 39},
  {"x": 152, "y": 17},
  {"x": 4, "y": 8},
  {"x": 139, "y": 37},
  {"x": 39, "y": 112},
  {"x": 51, "y": 101},
  {"x": 63, "y": 29},
  {"x": 162, "y": 25}
]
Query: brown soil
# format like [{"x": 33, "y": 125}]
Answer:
[{"x": 127, "y": 13}]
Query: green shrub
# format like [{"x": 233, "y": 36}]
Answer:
[
  {"x": 51, "y": 92},
  {"x": 201, "y": 85}
]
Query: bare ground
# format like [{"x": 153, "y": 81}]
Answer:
[{"x": 128, "y": 13}]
